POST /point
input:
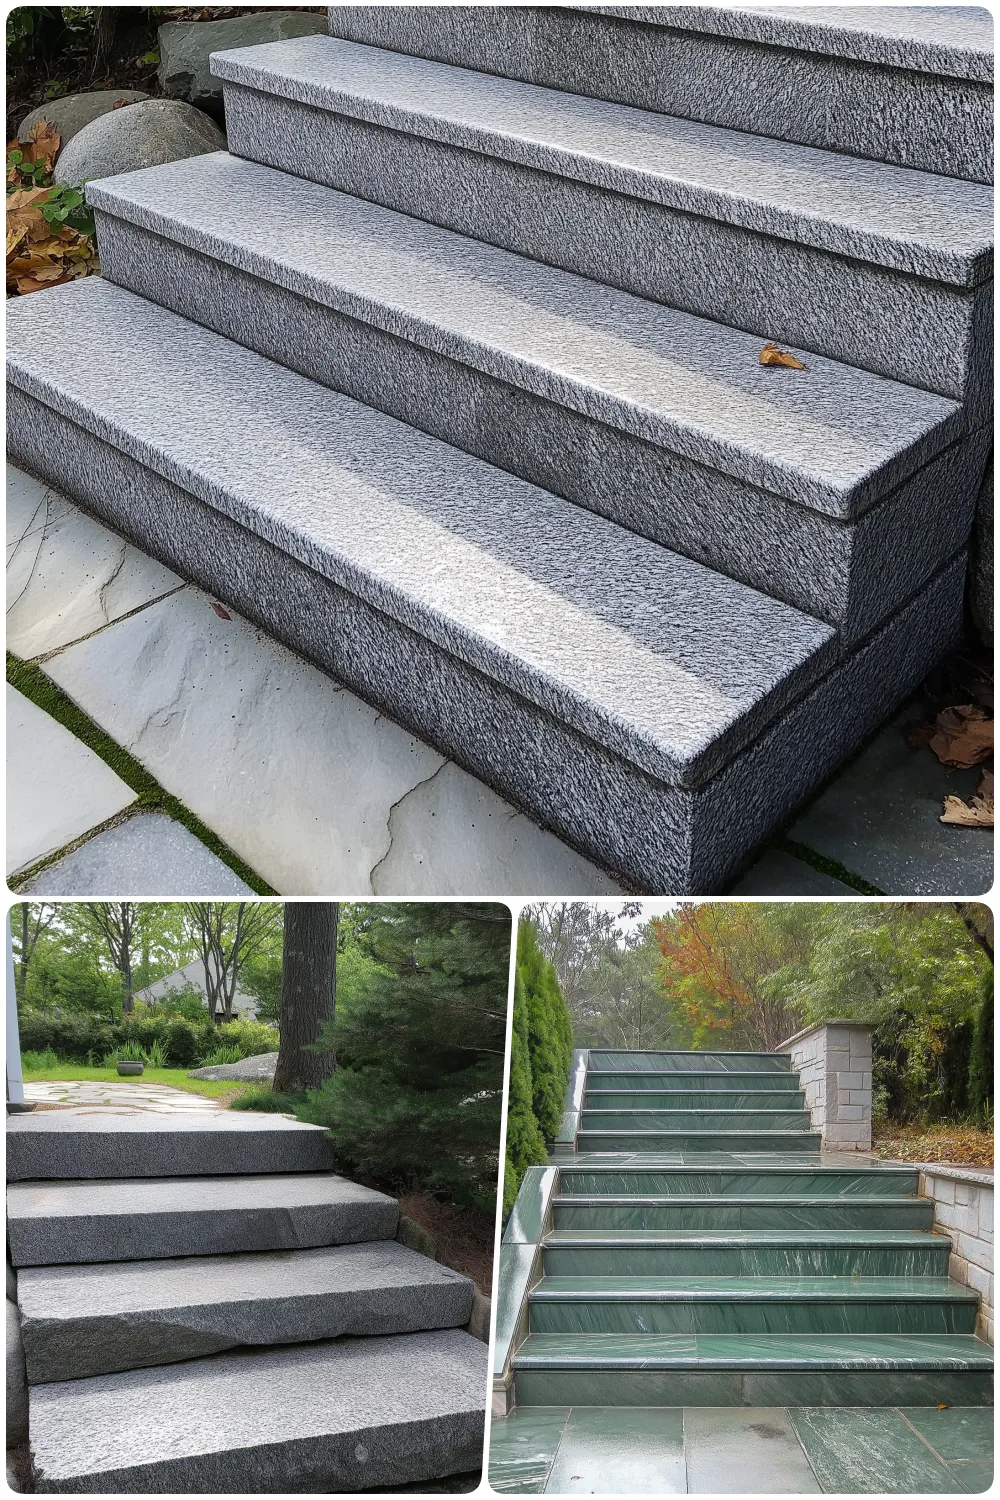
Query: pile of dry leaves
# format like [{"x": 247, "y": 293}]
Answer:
[
  {"x": 964, "y": 1145},
  {"x": 962, "y": 737},
  {"x": 47, "y": 238}
]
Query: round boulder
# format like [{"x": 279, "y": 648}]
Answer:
[
  {"x": 256, "y": 1069},
  {"x": 186, "y": 46},
  {"x": 144, "y": 135},
  {"x": 68, "y": 116},
  {"x": 17, "y": 1381}
]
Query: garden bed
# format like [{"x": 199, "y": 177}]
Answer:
[{"x": 961, "y": 1145}]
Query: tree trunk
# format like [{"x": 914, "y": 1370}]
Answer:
[{"x": 308, "y": 994}]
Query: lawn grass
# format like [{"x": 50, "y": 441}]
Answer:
[{"x": 176, "y": 1077}]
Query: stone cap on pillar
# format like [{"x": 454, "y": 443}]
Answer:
[{"x": 821, "y": 1026}]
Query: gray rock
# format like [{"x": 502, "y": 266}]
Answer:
[
  {"x": 11, "y": 1283},
  {"x": 151, "y": 855},
  {"x": 479, "y": 1319},
  {"x": 414, "y": 1235},
  {"x": 144, "y": 135},
  {"x": 260, "y": 1068},
  {"x": 96, "y": 1319},
  {"x": 186, "y": 48},
  {"x": 72, "y": 1223},
  {"x": 17, "y": 1383},
  {"x": 71, "y": 114},
  {"x": 322, "y": 1418},
  {"x": 58, "y": 1144},
  {"x": 981, "y": 569}
]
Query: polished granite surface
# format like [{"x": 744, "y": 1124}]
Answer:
[
  {"x": 798, "y": 1351},
  {"x": 732, "y": 1450}
]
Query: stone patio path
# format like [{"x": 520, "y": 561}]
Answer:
[{"x": 83, "y": 1095}]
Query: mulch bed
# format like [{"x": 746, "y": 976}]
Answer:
[{"x": 959, "y": 1145}]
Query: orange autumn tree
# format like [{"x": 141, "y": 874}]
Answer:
[{"x": 727, "y": 968}]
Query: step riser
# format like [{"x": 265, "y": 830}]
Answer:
[
  {"x": 656, "y": 836},
  {"x": 845, "y": 1214},
  {"x": 882, "y": 1387},
  {"x": 751, "y": 1260},
  {"x": 85, "y": 1154},
  {"x": 689, "y": 1099},
  {"x": 787, "y": 1316},
  {"x": 885, "y": 114},
  {"x": 692, "y": 1119},
  {"x": 734, "y": 1184},
  {"x": 849, "y": 574},
  {"x": 802, "y": 1142},
  {"x": 919, "y": 332},
  {"x": 635, "y": 1067},
  {"x": 696, "y": 1083}
]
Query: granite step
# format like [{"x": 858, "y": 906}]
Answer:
[
  {"x": 647, "y": 415},
  {"x": 55, "y": 1223},
  {"x": 683, "y": 1099},
  {"x": 64, "y": 1144},
  {"x": 82, "y": 1320},
  {"x": 322, "y": 1418},
  {"x": 906, "y": 85},
  {"x": 643, "y": 707},
  {"x": 745, "y": 1211},
  {"x": 874, "y": 265},
  {"x": 763, "y": 1304},
  {"x": 802, "y": 1369},
  {"x": 757, "y": 1252},
  {"x": 605, "y": 1062},
  {"x": 775, "y": 1181},
  {"x": 695, "y": 1119},
  {"x": 599, "y": 1080},
  {"x": 805, "y": 1142}
]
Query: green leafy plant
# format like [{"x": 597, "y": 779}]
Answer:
[
  {"x": 261, "y": 1096},
  {"x": 127, "y": 1052},
  {"x": 221, "y": 1056},
  {"x": 156, "y": 1055},
  {"x": 35, "y": 1062}
]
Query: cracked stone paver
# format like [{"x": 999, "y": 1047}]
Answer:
[
  {"x": 57, "y": 789},
  {"x": 83, "y": 1095}
]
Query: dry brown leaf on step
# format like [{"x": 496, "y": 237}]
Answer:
[
  {"x": 963, "y": 736},
  {"x": 977, "y": 812},
  {"x": 772, "y": 355},
  {"x": 43, "y": 145}
]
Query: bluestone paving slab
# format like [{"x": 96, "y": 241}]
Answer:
[
  {"x": 57, "y": 789},
  {"x": 757, "y": 1444},
  {"x": 868, "y": 1451},
  {"x": 81, "y": 576},
  {"x": 342, "y": 1416},
  {"x": 522, "y": 1447},
  {"x": 626, "y": 1451},
  {"x": 823, "y": 251},
  {"x": 53, "y": 1144},
  {"x": 54, "y": 1223},
  {"x": 667, "y": 58},
  {"x": 777, "y": 873},
  {"x": 954, "y": 1432},
  {"x": 97, "y": 1319},
  {"x": 151, "y": 855},
  {"x": 661, "y": 421}
]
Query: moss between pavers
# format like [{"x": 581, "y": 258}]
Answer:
[
  {"x": 43, "y": 692},
  {"x": 826, "y": 866}
]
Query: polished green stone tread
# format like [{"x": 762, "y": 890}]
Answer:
[
  {"x": 685, "y": 1099},
  {"x": 724, "y": 1214},
  {"x": 724, "y": 1120},
  {"x": 799, "y": 1181},
  {"x": 754, "y": 1352},
  {"x": 739, "y": 1289},
  {"x": 692, "y": 1079}
]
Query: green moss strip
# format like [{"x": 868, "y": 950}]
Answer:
[
  {"x": 44, "y": 693},
  {"x": 826, "y": 866}
]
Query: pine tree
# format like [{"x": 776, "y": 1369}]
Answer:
[
  {"x": 981, "y": 1059},
  {"x": 550, "y": 1032},
  {"x": 525, "y": 1145}
]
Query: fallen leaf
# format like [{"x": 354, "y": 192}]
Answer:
[
  {"x": 944, "y": 1406},
  {"x": 223, "y": 614},
  {"x": 963, "y": 736},
  {"x": 977, "y": 812},
  {"x": 772, "y": 355},
  {"x": 918, "y": 735}
]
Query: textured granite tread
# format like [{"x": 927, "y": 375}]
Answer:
[
  {"x": 837, "y": 440},
  {"x": 776, "y": 1351},
  {"x": 655, "y": 657},
  {"x": 955, "y": 41},
  {"x": 936, "y": 227},
  {"x": 318, "y": 1418},
  {"x": 755, "y": 1289}
]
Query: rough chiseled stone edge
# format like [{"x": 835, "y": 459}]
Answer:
[
  {"x": 654, "y": 837},
  {"x": 88, "y": 1155}
]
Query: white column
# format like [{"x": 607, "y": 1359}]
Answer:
[{"x": 15, "y": 1083}]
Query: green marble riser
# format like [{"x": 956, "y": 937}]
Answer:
[
  {"x": 763, "y": 1388},
  {"x": 687, "y": 1062},
  {"x": 680, "y": 1082},
  {"x": 930, "y": 1259},
  {"x": 698, "y": 1099},
  {"x": 946, "y": 1316},
  {"x": 695, "y": 1119},
  {"x": 702, "y": 1181},
  {"x": 785, "y": 1141},
  {"x": 704, "y": 1213}
]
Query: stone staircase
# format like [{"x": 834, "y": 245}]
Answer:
[
  {"x": 686, "y": 1256},
  {"x": 207, "y": 1308},
  {"x": 448, "y": 376}
]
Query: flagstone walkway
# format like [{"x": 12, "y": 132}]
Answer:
[{"x": 84, "y": 1095}]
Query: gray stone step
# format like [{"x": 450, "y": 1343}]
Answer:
[
  {"x": 647, "y": 415},
  {"x": 903, "y": 84},
  {"x": 874, "y": 265},
  {"x": 62, "y": 1144},
  {"x": 58, "y": 1223},
  {"x": 96, "y": 1319},
  {"x": 622, "y": 694},
  {"x": 322, "y": 1418}
]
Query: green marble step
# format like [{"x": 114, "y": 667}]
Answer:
[
  {"x": 752, "y": 1252},
  {"x": 695, "y": 1081},
  {"x": 735, "y": 1182},
  {"x": 763, "y": 1212},
  {"x": 804, "y": 1141},
  {"x": 778, "y": 1304},
  {"x": 686, "y": 1062},
  {"x": 671, "y": 1099},
  {"x": 803, "y": 1369},
  {"x": 696, "y": 1119}
]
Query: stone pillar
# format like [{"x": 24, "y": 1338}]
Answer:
[{"x": 834, "y": 1062}]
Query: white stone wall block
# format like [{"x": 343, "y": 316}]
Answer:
[
  {"x": 986, "y": 1211},
  {"x": 963, "y": 1192},
  {"x": 850, "y": 1080},
  {"x": 980, "y": 1281},
  {"x": 851, "y": 1112}
]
